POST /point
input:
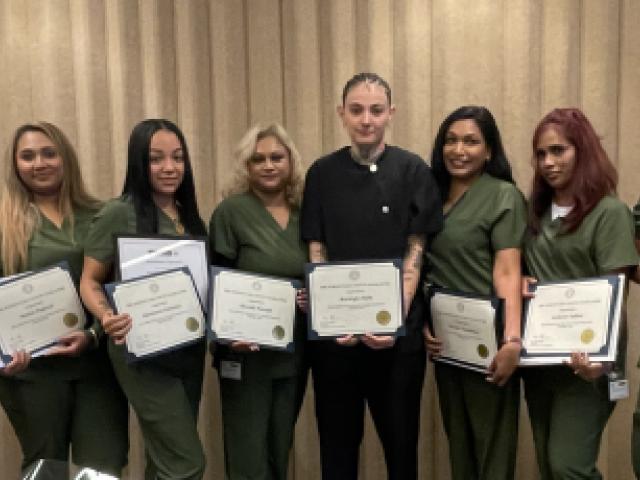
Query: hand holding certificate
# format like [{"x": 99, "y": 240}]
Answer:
[
  {"x": 165, "y": 310},
  {"x": 252, "y": 308},
  {"x": 467, "y": 326},
  {"x": 37, "y": 309},
  {"x": 564, "y": 317},
  {"x": 354, "y": 299}
]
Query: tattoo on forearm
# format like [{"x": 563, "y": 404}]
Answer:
[{"x": 413, "y": 257}]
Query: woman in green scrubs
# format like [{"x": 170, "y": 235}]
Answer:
[
  {"x": 256, "y": 229},
  {"x": 478, "y": 252},
  {"x": 158, "y": 198},
  {"x": 635, "y": 442},
  {"x": 577, "y": 229},
  {"x": 69, "y": 396}
]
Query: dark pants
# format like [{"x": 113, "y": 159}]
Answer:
[
  {"x": 568, "y": 415},
  {"x": 481, "y": 421},
  {"x": 259, "y": 416},
  {"x": 390, "y": 382},
  {"x": 165, "y": 394},
  {"x": 635, "y": 439},
  {"x": 91, "y": 414}
]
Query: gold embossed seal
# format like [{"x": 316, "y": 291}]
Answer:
[
  {"x": 587, "y": 336},
  {"x": 483, "y": 350},
  {"x": 70, "y": 320},
  {"x": 278, "y": 332},
  {"x": 383, "y": 317},
  {"x": 192, "y": 324}
]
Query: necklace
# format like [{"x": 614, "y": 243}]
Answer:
[{"x": 177, "y": 224}]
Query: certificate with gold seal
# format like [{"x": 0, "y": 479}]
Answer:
[
  {"x": 252, "y": 308},
  {"x": 165, "y": 310},
  {"x": 580, "y": 315},
  {"x": 354, "y": 298},
  {"x": 469, "y": 327},
  {"x": 36, "y": 309}
]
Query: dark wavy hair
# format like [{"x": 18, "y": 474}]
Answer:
[
  {"x": 594, "y": 176},
  {"x": 138, "y": 186},
  {"x": 497, "y": 166}
]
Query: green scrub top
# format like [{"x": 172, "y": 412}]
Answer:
[
  {"x": 242, "y": 229},
  {"x": 602, "y": 243},
  {"x": 490, "y": 216},
  {"x": 118, "y": 216},
  {"x": 49, "y": 245},
  {"x": 636, "y": 217}
]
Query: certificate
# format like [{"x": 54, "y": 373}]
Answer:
[
  {"x": 141, "y": 256},
  {"x": 252, "y": 308},
  {"x": 354, "y": 298},
  {"x": 36, "y": 309},
  {"x": 468, "y": 326},
  {"x": 564, "y": 317},
  {"x": 165, "y": 311}
]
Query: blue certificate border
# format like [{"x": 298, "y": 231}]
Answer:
[
  {"x": 498, "y": 305},
  {"x": 310, "y": 267},
  {"x": 214, "y": 271},
  {"x": 110, "y": 288},
  {"x": 538, "y": 359},
  {"x": 64, "y": 265}
]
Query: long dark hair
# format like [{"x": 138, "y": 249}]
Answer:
[
  {"x": 497, "y": 166},
  {"x": 594, "y": 176},
  {"x": 138, "y": 186}
]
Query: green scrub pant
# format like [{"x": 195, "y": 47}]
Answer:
[
  {"x": 91, "y": 414},
  {"x": 259, "y": 414},
  {"x": 166, "y": 400},
  {"x": 568, "y": 415},
  {"x": 481, "y": 421}
]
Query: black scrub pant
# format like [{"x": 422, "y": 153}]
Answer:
[{"x": 345, "y": 379}]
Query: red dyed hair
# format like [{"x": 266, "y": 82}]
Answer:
[{"x": 594, "y": 176}]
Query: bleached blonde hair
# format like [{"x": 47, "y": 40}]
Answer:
[
  {"x": 247, "y": 148},
  {"x": 18, "y": 214}
]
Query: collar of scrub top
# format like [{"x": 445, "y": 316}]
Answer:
[{"x": 371, "y": 162}]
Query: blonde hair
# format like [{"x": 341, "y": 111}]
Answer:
[
  {"x": 247, "y": 148},
  {"x": 18, "y": 214}
]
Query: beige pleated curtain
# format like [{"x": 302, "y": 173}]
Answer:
[{"x": 97, "y": 67}]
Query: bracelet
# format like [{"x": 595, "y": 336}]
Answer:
[{"x": 513, "y": 339}]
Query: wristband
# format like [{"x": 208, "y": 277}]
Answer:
[{"x": 513, "y": 339}]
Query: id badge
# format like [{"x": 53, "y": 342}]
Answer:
[
  {"x": 231, "y": 369},
  {"x": 618, "y": 387}
]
